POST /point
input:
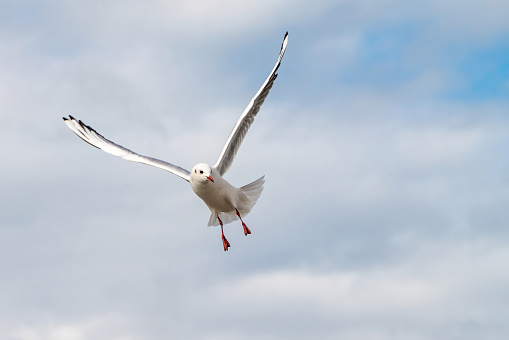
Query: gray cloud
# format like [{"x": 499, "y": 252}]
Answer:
[{"x": 384, "y": 212}]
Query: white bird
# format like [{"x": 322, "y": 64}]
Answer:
[{"x": 226, "y": 202}]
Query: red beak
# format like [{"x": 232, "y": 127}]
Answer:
[{"x": 210, "y": 177}]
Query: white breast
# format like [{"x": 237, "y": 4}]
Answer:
[{"x": 220, "y": 196}]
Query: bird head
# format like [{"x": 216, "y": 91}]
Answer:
[{"x": 202, "y": 172}]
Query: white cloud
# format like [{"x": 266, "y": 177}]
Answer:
[
  {"x": 425, "y": 289},
  {"x": 175, "y": 20},
  {"x": 438, "y": 146},
  {"x": 470, "y": 20},
  {"x": 88, "y": 329},
  {"x": 332, "y": 292}
]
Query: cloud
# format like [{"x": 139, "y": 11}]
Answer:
[
  {"x": 425, "y": 290},
  {"x": 85, "y": 329},
  {"x": 384, "y": 212},
  {"x": 470, "y": 20},
  {"x": 437, "y": 147}
]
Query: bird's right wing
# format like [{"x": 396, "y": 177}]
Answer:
[{"x": 93, "y": 138}]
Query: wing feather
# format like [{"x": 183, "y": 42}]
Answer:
[
  {"x": 240, "y": 129},
  {"x": 95, "y": 139}
]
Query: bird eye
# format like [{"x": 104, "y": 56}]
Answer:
[
  {"x": 201, "y": 171},
  {"x": 194, "y": 170}
]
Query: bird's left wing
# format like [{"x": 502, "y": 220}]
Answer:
[
  {"x": 239, "y": 131},
  {"x": 93, "y": 138}
]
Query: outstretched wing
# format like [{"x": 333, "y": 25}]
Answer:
[
  {"x": 93, "y": 138},
  {"x": 239, "y": 131}
]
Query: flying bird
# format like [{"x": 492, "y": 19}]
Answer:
[{"x": 226, "y": 202}]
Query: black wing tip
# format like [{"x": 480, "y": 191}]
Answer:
[
  {"x": 87, "y": 127},
  {"x": 67, "y": 119},
  {"x": 283, "y": 43},
  {"x": 83, "y": 125}
]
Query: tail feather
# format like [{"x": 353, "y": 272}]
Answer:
[
  {"x": 254, "y": 190},
  {"x": 226, "y": 218}
]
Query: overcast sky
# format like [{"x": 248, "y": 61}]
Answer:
[{"x": 384, "y": 143}]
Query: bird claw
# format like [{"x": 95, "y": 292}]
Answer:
[
  {"x": 226, "y": 244},
  {"x": 246, "y": 229}
]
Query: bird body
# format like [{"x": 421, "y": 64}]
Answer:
[
  {"x": 219, "y": 195},
  {"x": 226, "y": 202},
  {"x": 222, "y": 198}
]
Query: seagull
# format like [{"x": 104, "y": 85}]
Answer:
[{"x": 226, "y": 202}]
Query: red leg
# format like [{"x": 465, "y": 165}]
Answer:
[
  {"x": 226, "y": 244},
  {"x": 246, "y": 229}
]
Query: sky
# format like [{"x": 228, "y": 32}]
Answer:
[{"x": 384, "y": 143}]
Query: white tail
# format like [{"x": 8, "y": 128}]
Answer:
[{"x": 252, "y": 191}]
